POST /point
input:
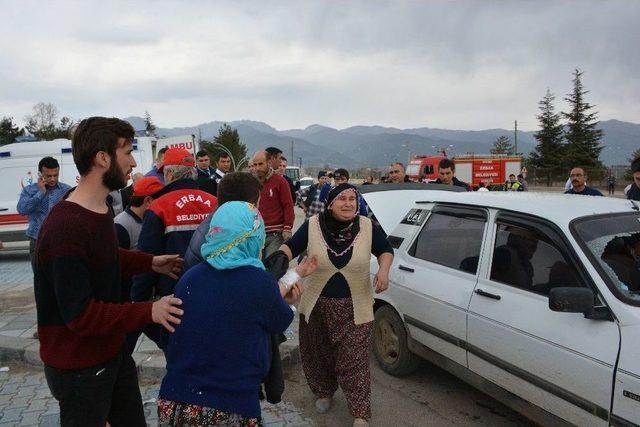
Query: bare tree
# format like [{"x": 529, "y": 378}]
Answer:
[{"x": 44, "y": 116}]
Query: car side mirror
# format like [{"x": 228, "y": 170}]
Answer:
[{"x": 572, "y": 300}]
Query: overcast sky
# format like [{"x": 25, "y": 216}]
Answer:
[{"x": 455, "y": 65}]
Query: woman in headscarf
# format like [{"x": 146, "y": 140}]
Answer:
[
  {"x": 336, "y": 308},
  {"x": 219, "y": 354}
]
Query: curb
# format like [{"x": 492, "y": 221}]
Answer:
[{"x": 151, "y": 365}]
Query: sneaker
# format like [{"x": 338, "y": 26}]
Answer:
[
  {"x": 323, "y": 404},
  {"x": 360, "y": 422}
]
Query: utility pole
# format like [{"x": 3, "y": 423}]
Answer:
[
  {"x": 515, "y": 139},
  {"x": 292, "y": 151}
]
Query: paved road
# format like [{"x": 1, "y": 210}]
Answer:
[
  {"x": 25, "y": 400},
  {"x": 430, "y": 396}
]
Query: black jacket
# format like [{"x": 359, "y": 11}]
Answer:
[
  {"x": 634, "y": 192},
  {"x": 456, "y": 182},
  {"x": 208, "y": 181}
]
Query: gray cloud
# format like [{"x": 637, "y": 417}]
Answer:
[{"x": 466, "y": 65}]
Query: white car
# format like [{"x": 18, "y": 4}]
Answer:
[
  {"x": 305, "y": 182},
  {"x": 533, "y": 298}
]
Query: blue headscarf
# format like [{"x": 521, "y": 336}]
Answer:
[{"x": 235, "y": 238}]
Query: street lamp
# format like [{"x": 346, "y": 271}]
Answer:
[
  {"x": 245, "y": 160},
  {"x": 226, "y": 150},
  {"x": 407, "y": 146}
]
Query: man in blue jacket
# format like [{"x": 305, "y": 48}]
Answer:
[{"x": 36, "y": 200}]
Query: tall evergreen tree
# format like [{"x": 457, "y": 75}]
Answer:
[
  {"x": 229, "y": 138},
  {"x": 149, "y": 127},
  {"x": 547, "y": 157},
  {"x": 9, "y": 131},
  {"x": 502, "y": 145},
  {"x": 583, "y": 138}
]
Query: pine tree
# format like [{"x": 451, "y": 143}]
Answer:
[
  {"x": 547, "y": 156},
  {"x": 9, "y": 131},
  {"x": 229, "y": 138},
  {"x": 583, "y": 138},
  {"x": 502, "y": 145},
  {"x": 149, "y": 127}
]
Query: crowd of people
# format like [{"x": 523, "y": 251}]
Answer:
[{"x": 197, "y": 257}]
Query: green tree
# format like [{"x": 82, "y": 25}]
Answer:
[
  {"x": 502, "y": 145},
  {"x": 547, "y": 157},
  {"x": 583, "y": 138},
  {"x": 149, "y": 126},
  {"x": 43, "y": 122},
  {"x": 229, "y": 138},
  {"x": 9, "y": 131}
]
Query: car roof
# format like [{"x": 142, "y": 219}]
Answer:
[{"x": 559, "y": 208}]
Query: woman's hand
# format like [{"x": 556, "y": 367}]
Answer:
[
  {"x": 294, "y": 294},
  {"x": 307, "y": 266},
  {"x": 381, "y": 280}
]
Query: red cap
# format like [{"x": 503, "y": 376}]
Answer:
[
  {"x": 178, "y": 157},
  {"x": 146, "y": 186}
]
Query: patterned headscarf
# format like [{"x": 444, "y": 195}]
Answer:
[
  {"x": 235, "y": 238},
  {"x": 336, "y": 191}
]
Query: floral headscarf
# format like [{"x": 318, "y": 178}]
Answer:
[{"x": 235, "y": 238}]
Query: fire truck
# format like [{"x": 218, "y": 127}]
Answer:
[{"x": 492, "y": 170}]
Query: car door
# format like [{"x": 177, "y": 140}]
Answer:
[
  {"x": 434, "y": 279},
  {"x": 562, "y": 362}
]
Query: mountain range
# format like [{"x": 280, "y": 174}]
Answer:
[{"x": 377, "y": 146}]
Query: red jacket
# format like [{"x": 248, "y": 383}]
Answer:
[{"x": 276, "y": 204}]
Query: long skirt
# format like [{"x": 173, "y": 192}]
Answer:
[
  {"x": 335, "y": 352},
  {"x": 182, "y": 414}
]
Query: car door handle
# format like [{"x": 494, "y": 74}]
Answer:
[
  {"x": 409, "y": 269},
  {"x": 487, "y": 294}
]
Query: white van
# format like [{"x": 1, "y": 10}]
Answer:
[{"x": 19, "y": 168}]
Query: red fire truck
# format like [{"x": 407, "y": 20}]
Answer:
[{"x": 472, "y": 169}]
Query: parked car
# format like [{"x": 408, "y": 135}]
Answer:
[
  {"x": 533, "y": 298},
  {"x": 305, "y": 182}
]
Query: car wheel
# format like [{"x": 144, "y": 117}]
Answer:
[{"x": 390, "y": 343}]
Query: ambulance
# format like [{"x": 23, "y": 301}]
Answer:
[{"x": 19, "y": 168}]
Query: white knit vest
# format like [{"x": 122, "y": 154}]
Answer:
[{"x": 356, "y": 272}]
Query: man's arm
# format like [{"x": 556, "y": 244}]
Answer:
[
  {"x": 134, "y": 262},
  {"x": 30, "y": 199},
  {"x": 151, "y": 241},
  {"x": 69, "y": 275}
]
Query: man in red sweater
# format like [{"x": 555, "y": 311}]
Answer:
[
  {"x": 275, "y": 204},
  {"x": 82, "y": 322}
]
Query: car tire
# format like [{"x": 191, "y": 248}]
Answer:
[{"x": 390, "y": 343}]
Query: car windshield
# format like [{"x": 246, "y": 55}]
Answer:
[
  {"x": 306, "y": 181},
  {"x": 614, "y": 242}
]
